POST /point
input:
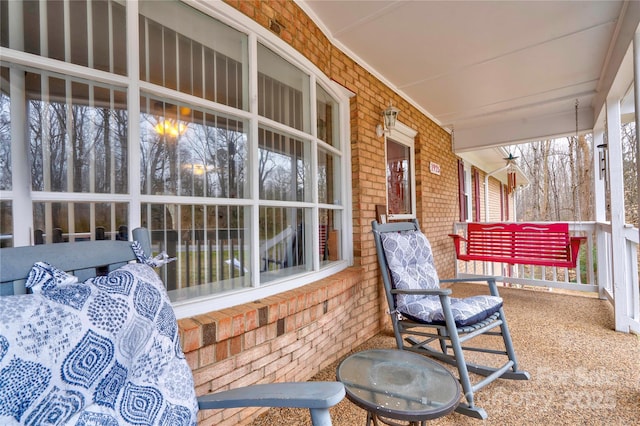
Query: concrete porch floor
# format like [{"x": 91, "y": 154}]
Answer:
[{"x": 582, "y": 372}]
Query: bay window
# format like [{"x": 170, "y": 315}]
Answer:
[{"x": 216, "y": 155}]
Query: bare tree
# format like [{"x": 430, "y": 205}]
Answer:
[
  {"x": 560, "y": 176},
  {"x": 629, "y": 172},
  {"x": 5, "y": 142}
]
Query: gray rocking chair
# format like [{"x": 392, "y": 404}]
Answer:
[{"x": 422, "y": 312}]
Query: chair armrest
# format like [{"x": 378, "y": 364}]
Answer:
[
  {"x": 491, "y": 281},
  {"x": 312, "y": 395}
]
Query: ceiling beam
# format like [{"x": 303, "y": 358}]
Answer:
[{"x": 522, "y": 130}]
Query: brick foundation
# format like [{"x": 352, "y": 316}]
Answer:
[{"x": 287, "y": 337}]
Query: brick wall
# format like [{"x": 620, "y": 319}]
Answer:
[
  {"x": 495, "y": 186},
  {"x": 295, "y": 334},
  {"x": 287, "y": 337}
]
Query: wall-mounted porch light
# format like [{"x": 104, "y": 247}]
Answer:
[{"x": 389, "y": 116}]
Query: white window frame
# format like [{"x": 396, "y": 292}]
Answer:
[{"x": 403, "y": 135}]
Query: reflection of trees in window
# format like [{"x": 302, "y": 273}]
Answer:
[
  {"x": 216, "y": 162},
  {"x": 282, "y": 167},
  {"x": 160, "y": 134},
  {"x": 265, "y": 168},
  {"x": 115, "y": 143},
  {"x": 47, "y": 126},
  {"x": 279, "y": 185},
  {"x": 5, "y": 142},
  {"x": 79, "y": 148},
  {"x": 152, "y": 156},
  {"x": 326, "y": 170},
  {"x": 77, "y": 136},
  {"x": 209, "y": 151}
]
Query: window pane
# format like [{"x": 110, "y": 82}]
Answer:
[
  {"x": 398, "y": 178},
  {"x": 101, "y": 21},
  {"x": 78, "y": 136},
  {"x": 209, "y": 242},
  {"x": 328, "y": 178},
  {"x": 283, "y": 167},
  {"x": 285, "y": 242},
  {"x": 283, "y": 91},
  {"x": 5, "y": 130},
  {"x": 191, "y": 152},
  {"x": 328, "y": 124},
  {"x": 58, "y": 222},
  {"x": 211, "y": 179},
  {"x": 204, "y": 58},
  {"x": 329, "y": 236},
  {"x": 6, "y": 223}
]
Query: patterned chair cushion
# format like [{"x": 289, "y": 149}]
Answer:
[
  {"x": 467, "y": 311},
  {"x": 411, "y": 266},
  {"x": 410, "y": 262},
  {"x": 102, "y": 352}
]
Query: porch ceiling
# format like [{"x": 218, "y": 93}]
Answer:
[{"x": 496, "y": 72}]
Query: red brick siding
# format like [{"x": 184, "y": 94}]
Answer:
[{"x": 287, "y": 337}]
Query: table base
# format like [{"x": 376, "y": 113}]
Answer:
[{"x": 376, "y": 420}]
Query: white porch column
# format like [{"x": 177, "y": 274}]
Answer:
[
  {"x": 634, "y": 291},
  {"x": 636, "y": 101},
  {"x": 616, "y": 189}
]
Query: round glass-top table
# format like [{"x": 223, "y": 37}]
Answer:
[{"x": 399, "y": 385}]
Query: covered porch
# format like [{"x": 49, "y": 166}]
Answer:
[
  {"x": 582, "y": 372},
  {"x": 497, "y": 74},
  {"x": 466, "y": 77}
]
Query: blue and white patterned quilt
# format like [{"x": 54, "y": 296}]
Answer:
[{"x": 102, "y": 352}]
